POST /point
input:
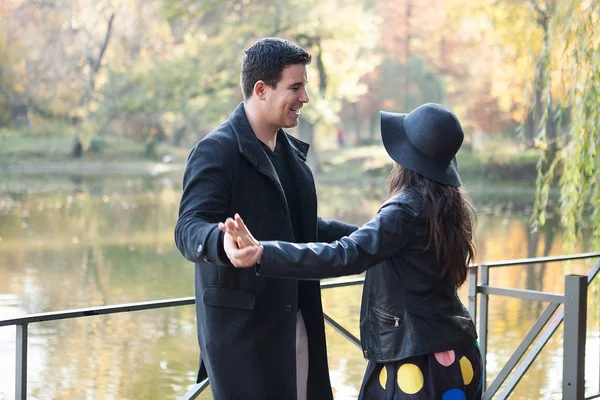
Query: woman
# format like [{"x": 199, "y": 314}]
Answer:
[{"x": 417, "y": 335}]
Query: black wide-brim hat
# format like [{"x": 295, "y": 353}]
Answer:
[{"x": 425, "y": 141}]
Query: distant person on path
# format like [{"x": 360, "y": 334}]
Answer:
[
  {"x": 340, "y": 136},
  {"x": 260, "y": 338},
  {"x": 417, "y": 335}
]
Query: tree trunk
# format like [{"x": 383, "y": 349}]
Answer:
[
  {"x": 306, "y": 132},
  {"x": 373, "y": 125},
  {"x": 76, "y": 147},
  {"x": 178, "y": 136},
  {"x": 357, "y": 122}
]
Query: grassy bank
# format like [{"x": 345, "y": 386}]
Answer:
[
  {"x": 504, "y": 162},
  {"x": 506, "y": 165},
  {"x": 16, "y": 148}
]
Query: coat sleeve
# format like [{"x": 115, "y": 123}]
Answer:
[
  {"x": 204, "y": 202},
  {"x": 330, "y": 230},
  {"x": 378, "y": 240}
]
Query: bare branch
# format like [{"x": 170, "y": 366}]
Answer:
[
  {"x": 96, "y": 65},
  {"x": 542, "y": 14}
]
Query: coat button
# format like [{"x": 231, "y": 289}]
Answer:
[
  {"x": 288, "y": 307},
  {"x": 199, "y": 249}
]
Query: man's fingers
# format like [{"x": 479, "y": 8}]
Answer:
[
  {"x": 222, "y": 227},
  {"x": 240, "y": 222},
  {"x": 242, "y": 225},
  {"x": 231, "y": 224},
  {"x": 244, "y": 231},
  {"x": 229, "y": 243}
]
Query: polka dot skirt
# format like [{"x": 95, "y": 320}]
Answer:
[{"x": 449, "y": 375}]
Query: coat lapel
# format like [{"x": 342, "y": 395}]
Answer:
[
  {"x": 305, "y": 186},
  {"x": 251, "y": 149}
]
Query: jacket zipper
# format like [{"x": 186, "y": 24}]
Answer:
[{"x": 388, "y": 316}]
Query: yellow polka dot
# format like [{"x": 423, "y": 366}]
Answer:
[
  {"x": 383, "y": 377},
  {"x": 410, "y": 378},
  {"x": 466, "y": 369}
]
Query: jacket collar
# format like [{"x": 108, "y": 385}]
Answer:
[{"x": 408, "y": 199}]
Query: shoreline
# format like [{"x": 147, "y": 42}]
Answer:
[{"x": 90, "y": 167}]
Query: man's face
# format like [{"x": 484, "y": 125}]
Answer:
[{"x": 283, "y": 102}]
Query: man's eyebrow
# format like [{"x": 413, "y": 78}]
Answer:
[{"x": 298, "y": 83}]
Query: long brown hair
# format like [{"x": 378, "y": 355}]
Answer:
[{"x": 450, "y": 220}]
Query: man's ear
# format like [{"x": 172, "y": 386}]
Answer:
[{"x": 260, "y": 89}]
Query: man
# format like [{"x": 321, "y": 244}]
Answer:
[{"x": 260, "y": 338}]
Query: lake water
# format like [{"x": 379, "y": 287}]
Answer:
[{"x": 70, "y": 242}]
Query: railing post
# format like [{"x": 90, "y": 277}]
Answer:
[
  {"x": 21, "y": 363},
  {"x": 483, "y": 320},
  {"x": 473, "y": 276},
  {"x": 574, "y": 337}
]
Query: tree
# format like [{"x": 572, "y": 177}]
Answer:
[
  {"x": 195, "y": 82},
  {"x": 574, "y": 32}
]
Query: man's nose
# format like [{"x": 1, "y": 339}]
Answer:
[{"x": 304, "y": 96}]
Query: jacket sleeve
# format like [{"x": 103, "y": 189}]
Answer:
[
  {"x": 330, "y": 230},
  {"x": 379, "y": 239},
  {"x": 204, "y": 202}
]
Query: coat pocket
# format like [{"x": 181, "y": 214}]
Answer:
[{"x": 219, "y": 296}]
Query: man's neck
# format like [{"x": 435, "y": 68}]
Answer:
[{"x": 264, "y": 132}]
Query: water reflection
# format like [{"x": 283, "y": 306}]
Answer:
[{"x": 73, "y": 241}]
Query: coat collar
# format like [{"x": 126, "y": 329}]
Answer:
[{"x": 249, "y": 145}]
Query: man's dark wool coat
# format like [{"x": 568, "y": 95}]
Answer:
[{"x": 247, "y": 323}]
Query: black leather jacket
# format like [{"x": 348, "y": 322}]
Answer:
[{"x": 407, "y": 309}]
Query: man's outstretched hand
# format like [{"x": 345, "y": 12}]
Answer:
[{"x": 242, "y": 249}]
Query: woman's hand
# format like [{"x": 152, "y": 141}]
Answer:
[
  {"x": 238, "y": 231},
  {"x": 242, "y": 249}
]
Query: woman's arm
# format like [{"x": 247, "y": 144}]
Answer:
[
  {"x": 379, "y": 239},
  {"x": 330, "y": 230}
]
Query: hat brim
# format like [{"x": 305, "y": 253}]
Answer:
[{"x": 400, "y": 149}]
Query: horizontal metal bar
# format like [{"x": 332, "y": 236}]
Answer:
[
  {"x": 594, "y": 396},
  {"x": 345, "y": 282},
  {"x": 150, "y": 305},
  {"x": 536, "y": 260},
  {"x": 522, "y": 294},
  {"x": 91, "y": 311},
  {"x": 341, "y": 330},
  {"x": 195, "y": 390}
]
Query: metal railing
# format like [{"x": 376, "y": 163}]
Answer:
[
  {"x": 574, "y": 313},
  {"x": 22, "y": 324},
  {"x": 570, "y": 308}
]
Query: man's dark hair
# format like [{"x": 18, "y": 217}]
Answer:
[{"x": 266, "y": 59}]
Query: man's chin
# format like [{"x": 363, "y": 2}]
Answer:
[{"x": 292, "y": 124}]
